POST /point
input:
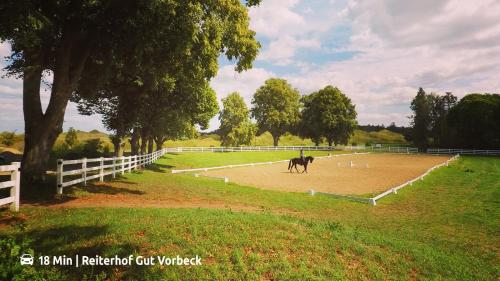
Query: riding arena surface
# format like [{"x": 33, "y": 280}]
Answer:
[{"x": 345, "y": 174}]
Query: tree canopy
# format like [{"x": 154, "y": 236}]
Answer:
[
  {"x": 235, "y": 126},
  {"x": 276, "y": 108},
  {"x": 84, "y": 43},
  {"x": 429, "y": 125},
  {"x": 475, "y": 122},
  {"x": 330, "y": 114}
]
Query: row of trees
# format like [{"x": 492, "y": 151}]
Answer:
[
  {"x": 443, "y": 121},
  {"x": 144, "y": 65},
  {"x": 279, "y": 108}
]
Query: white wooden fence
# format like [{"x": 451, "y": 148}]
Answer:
[
  {"x": 100, "y": 167},
  {"x": 248, "y": 148},
  {"x": 463, "y": 151},
  {"x": 285, "y": 148},
  {"x": 14, "y": 185}
]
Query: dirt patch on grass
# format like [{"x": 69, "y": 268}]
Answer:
[
  {"x": 134, "y": 201},
  {"x": 369, "y": 173}
]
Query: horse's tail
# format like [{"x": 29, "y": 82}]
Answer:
[{"x": 290, "y": 164}]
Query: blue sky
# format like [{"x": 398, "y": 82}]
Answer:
[{"x": 378, "y": 52}]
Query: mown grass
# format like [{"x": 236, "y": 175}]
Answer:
[{"x": 443, "y": 228}]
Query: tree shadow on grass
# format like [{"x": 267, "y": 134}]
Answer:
[
  {"x": 105, "y": 188},
  {"x": 159, "y": 168},
  {"x": 72, "y": 240}
]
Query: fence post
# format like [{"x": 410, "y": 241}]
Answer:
[
  {"x": 59, "y": 175},
  {"x": 130, "y": 164},
  {"x": 114, "y": 167},
  {"x": 101, "y": 170},
  {"x": 84, "y": 171},
  {"x": 122, "y": 166},
  {"x": 15, "y": 176}
]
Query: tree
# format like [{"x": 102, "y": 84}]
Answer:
[
  {"x": 276, "y": 108},
  {"x": 171, "y": 123},
  {"x": 236, "y": 128},
  {"x": 71, "y": 137},
  {"x": 76, "y": 39},
  {"x": 421, "y": 119},
  {"x": 440, "y": 105},
  {"x": 330, "y": 114},
  {"x": 475, "y": 122}
]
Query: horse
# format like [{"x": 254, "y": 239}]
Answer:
[{"x": 303, "y": 162}]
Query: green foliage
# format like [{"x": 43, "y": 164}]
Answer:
[
  {"x": 71, "y": 137},
  {"x": 236, "y": 128},
  {"x": 7, "y": 138},
  {"x": 100, "y": 50},
  {"x": 429, "y": 124},
  {"x": 11, "y": 269},
  {"x": 330, "y": 114},
  {"x": 475, "y": 121},
  {"x": 276, "y": 108},
  {"x": 380, "y": 137},
  {"x": 90, "y": 148},
  {"x": 421, "y": 119}
]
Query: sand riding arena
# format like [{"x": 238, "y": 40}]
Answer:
[{"x": 354, "y": 174}]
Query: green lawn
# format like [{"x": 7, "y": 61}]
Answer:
[{"x": 443, "y": 228}]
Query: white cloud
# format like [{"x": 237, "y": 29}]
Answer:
[
  {"x": 282, "y": 50},
  {"x": 289, "y": 28},
  {"x": 246, "y": 83}
]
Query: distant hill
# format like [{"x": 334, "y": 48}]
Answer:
[{"x": 18, "y": 145}]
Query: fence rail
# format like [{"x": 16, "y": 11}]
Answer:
[
  {"x": 13, "y": 184},
  {"x": 248, "y": 148},
  {"x": 463, "y": 151},
  {"x": 286, "y": 148},
  {"x": 100, "y": 167}
]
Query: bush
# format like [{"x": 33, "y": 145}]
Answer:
[
  {"x": 91, "y": 148},
  {"x": 71, "y": 137},
  {"x": 7, "y": 138}
]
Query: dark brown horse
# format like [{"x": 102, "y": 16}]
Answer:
[{"x": 299, "y": 161}]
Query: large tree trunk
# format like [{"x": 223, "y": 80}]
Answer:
[
  {"x": 41, "y": 129},
  {"x": 117, "y": 144},
  {"x": 276, "y": 138},
  {"x": 144, "y": 140},
  {"x": 150, "y": 145},
  {"x": 330, "y": 142},
  {"x": 159, "y": 144},
  {"x": 134, "y": 142}
]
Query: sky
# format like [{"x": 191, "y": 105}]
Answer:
[{"x": 377, "y": 52}]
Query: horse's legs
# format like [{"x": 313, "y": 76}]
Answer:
[
  {"x": 305, "y": 168},
  {"x": 296, "y": 168}
]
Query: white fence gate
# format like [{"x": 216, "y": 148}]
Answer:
[{"x": 13, "y": 184}]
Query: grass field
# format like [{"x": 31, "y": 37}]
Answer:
[{"x": 443, "y": 228}]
